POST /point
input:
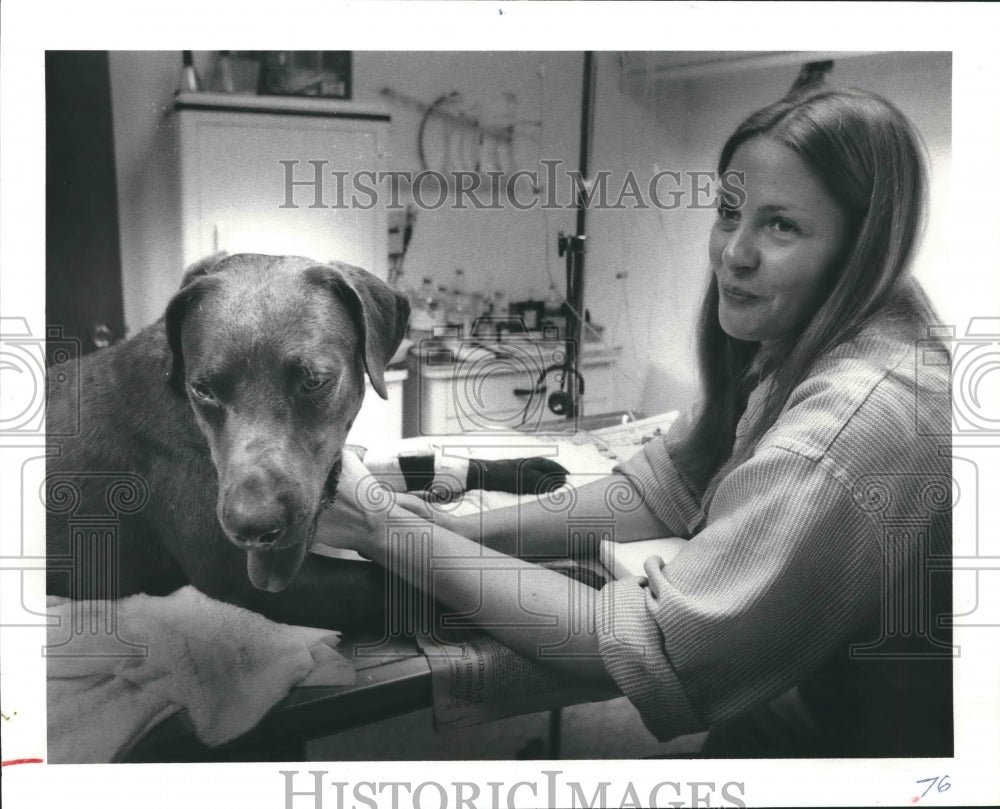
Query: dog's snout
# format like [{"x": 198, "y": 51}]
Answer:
[{"x": 255, "y": 517}]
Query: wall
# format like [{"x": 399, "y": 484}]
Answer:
[
  {"x": 653, "y": 125},
  {"x": 507, "y": 248},
  {"x": 142, "y": 94}
]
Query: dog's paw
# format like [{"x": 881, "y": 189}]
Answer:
[{"x": 516, "y": 475}]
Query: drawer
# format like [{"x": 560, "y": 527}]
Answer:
[
  {"x": 487, "y": 401},
  {"x": 479, "y": 395}
]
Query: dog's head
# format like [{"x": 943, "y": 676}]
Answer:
[{"x": 271, "y": 353}]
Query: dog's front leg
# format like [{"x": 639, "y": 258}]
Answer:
[{"x": 329, "y": 593}]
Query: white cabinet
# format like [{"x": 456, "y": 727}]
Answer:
[
  {"x": 282, "y": 175},
  {"x": 495, "y": 388},
  {"x": 267, "y": 174},
  {"x": 380, "y": 421}
]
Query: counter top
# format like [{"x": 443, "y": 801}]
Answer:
[{"x": 396, "y": 375}]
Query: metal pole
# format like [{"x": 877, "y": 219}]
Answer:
[
  {"x": 586, "y": 131},
  {"x": 575, "y": 246}
]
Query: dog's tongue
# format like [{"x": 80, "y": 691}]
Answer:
[{"x": 274, "y": 570}]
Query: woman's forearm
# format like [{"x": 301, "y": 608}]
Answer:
[
  {"x": 609, "y": 507},
  {"x": 541, "y": 614}
]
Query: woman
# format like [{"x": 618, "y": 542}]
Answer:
[{"x": 802, "y": 616}]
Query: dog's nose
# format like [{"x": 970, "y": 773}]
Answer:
[
  {"x": 254, "y": 524},
  {"x": 267, "y": 538},
  {"x": 255, "y": 536}
]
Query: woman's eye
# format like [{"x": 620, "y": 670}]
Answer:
[
  {"x": 203, "y": 392},
  {"x": 784, "y": 226},
  {"x": 727, "y": 214}
]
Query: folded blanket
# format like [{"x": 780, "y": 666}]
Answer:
[{"x": 225, "y": 665}]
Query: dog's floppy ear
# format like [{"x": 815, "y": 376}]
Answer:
[
  {"x": 192, "y": 288},
  {"x": 380, "y": 311},
  {"x": 205, "y": 266}
]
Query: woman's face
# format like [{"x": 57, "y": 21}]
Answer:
[{"x": 774, "y": 255}]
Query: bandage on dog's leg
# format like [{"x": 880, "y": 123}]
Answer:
[
  {"x": 445, "y": 474},
  {"x": 417, "y": 470},
  {"x": 516, "y": 475}
]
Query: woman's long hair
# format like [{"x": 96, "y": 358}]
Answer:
[{"x": 871, "y": 160}]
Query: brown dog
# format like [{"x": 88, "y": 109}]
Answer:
[{"x": 211, "y": 442}]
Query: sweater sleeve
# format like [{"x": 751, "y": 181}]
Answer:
[
  {"x": 783, "y": 572},
  {"x": 663, "y": 490}
]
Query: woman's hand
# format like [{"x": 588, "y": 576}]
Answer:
[{"x": 356, "y": 520}]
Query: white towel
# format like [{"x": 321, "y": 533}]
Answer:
[{"x": 225, "y": 665}]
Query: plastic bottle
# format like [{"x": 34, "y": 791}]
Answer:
[
  {"x": 459, "y": 309},
  {"x": 423, "y": 310},
  {"x": 554, "y": 316},
  {"x": 222, "y": 76},
  {"x": 426, "y": 292},
  {"x": 553, "y": 302},
  {"x": 499, "y": 312},
  {"x": 189, "y": 81},
  {"x": 500, "y": 308},
  {"x": 478, "y": 305},
  {"x": 442, "y": 302},
  {"x": 402, "y": 283}
]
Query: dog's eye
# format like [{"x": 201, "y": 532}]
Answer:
[
  {"x": 311, "y": 384},
  {"x": 203, "y": 392}
]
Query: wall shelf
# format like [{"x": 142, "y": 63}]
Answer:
[{"x": 282, "y": 105}]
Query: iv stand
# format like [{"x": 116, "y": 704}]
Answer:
[{"x": 567, "y": 401}]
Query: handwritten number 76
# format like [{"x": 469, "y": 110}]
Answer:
[{"x": 941, "y": 781}]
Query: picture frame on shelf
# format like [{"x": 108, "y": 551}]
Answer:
[{"x": 316, "y": 74}]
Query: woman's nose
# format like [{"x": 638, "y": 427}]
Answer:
[{"x": 740, "y": 252}]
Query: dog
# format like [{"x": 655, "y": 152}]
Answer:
[
  {"x": 217, "y": 435},
  {"x": 210, "y": 443}
]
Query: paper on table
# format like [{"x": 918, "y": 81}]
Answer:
[{"x": 476, "y": 679}]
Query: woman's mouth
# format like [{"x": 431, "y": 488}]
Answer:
[{"x": 737, "y": 295}]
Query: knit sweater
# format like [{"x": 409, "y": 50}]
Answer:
[{"x": 822, "y": 564}]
